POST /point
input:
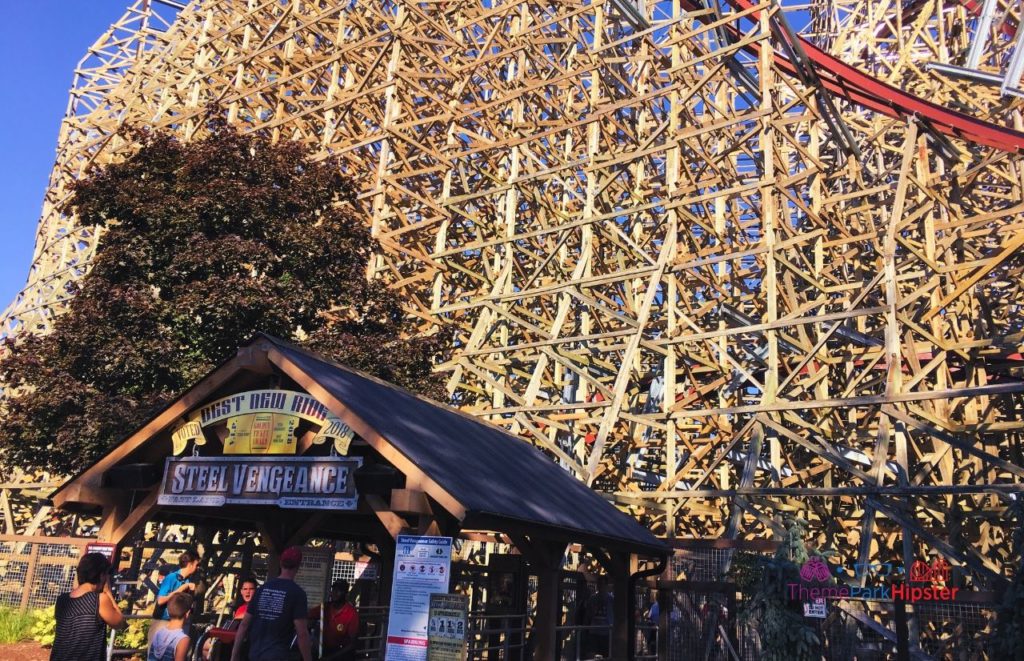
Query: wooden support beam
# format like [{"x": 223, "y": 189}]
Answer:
[{"x": 546, "y": 561}]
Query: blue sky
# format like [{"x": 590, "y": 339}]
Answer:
[{"x": 41, "y": 41}]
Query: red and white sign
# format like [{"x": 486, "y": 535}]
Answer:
[{"x": 106, "y": 548}]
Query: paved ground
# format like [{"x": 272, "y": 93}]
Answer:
[{"x": 24, "y": 652}]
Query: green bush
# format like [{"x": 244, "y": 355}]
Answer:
[
  {"x": 44, "y": 626},
  {"x": 135, "y": 636},
  {"x": 15, "y": 626}
]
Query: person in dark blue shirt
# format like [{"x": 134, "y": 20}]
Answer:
[{"x": 276, "y": 615}]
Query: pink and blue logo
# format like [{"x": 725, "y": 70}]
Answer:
[{"x": 815, "y": 576}]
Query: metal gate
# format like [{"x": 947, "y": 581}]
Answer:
[{"x": 697, "y": 620}]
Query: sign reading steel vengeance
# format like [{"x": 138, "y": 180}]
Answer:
[{"x": 292, "y": 482}]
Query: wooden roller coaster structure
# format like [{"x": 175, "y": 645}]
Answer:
[{"x": 724, "y": 262}]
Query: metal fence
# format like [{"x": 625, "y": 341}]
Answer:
[
  {"x": 702, "y": 621},
  {"x": 955, "y": 630},
  {"x": 698, "y": 620},
  {"x": 35, "y": 570}
]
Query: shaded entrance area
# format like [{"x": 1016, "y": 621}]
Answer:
[{"x": 280, "y": 442}]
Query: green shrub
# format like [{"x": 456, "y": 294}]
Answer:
[
  {"x": 44, "y": 626},
  {"x": 135, "y": 636},
  {"x": 15, "y": 626}
]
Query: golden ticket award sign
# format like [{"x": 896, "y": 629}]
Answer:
[
  {"x": 446, "y": 631},
  {"x": 288, "y": 482},
  {"x": 261, "y": 433}
]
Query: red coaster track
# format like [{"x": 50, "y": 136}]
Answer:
[{"x": 854, "y": 85}]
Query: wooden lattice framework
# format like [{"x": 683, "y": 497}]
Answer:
[{"x": 701, "y": 278}]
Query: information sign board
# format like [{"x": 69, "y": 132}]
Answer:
[
  {"x": 106, "y": 548},
  {"x": 447, "y": 627},
  {"x": 365, "y": 570},
  {"x": 422, "y": 568},
  {"x": 314, "y": 571}
]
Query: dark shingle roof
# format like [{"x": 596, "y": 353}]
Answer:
[{"x": 490, "y": 472}]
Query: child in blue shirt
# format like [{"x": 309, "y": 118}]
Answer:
[{"x": 170, "y": 643}]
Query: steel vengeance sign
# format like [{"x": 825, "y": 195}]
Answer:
[{"x": 291, "y": 482}]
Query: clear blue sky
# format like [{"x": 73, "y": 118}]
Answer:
[{"x": 41, "y": 41}]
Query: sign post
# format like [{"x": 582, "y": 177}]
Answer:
[
  {"x": 422, "y": 568},
  {"x": 449, "y": 623},
  {"x": 315, "y": 572}
]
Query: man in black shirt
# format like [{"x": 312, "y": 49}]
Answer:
[{"x": 276, "y": 615}]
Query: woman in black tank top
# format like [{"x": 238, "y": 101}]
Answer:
[
  {"x": 80, "y": 632},
  {"x": 84, "y": 613}
]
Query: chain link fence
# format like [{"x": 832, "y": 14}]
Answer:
[{"x": 704, "y": 621}]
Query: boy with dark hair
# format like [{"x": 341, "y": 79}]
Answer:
[
  {"x": 171, "y": 643},
  {"x": 275, "y": 616},
  {"x": 174, "y": 583}
]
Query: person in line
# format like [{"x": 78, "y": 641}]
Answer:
[
  {"x": 174, "y": 583},
  {"x": 171, "y": 643},
  {"x": 226, "y": 634},
  {"x": 276, "y": 615},
  {"x": 598, "y": 616},
  {"x": 84, "y": 614},
  {"x": 341, "y": 624},
  {"x": 246, "y": 591}
]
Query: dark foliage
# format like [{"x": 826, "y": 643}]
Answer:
[
  {"x": 783, "y": 631},
  {"x": 203, "y": 244},
  {"x": 1008, "y": 640}
]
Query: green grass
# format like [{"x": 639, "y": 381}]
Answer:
[{"x": 15, "y": 626}]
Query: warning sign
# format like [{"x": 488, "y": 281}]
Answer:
[{"x": 815, "y": 608}]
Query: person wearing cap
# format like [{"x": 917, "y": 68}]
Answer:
[
  {"x": 276, "y": 615},
  {"x": 341, "y": 624}
]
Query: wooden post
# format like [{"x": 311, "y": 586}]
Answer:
[
  {"x": 664, "y": 610},
  {"x": 623, "y": 565},
  {"x": 546, "y": 562},
  {"x": 272, "y": 540},
  {"x": 902, "y": 631},
  {"x": 386, "y": 548},
  {"x": 30, "y": 575},
  {"x": 548, "y": 579}
]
